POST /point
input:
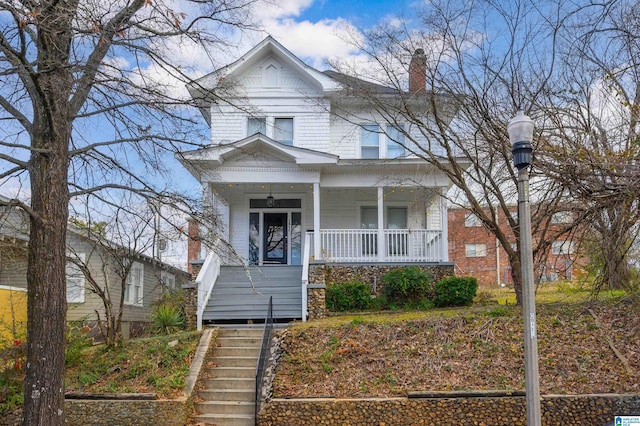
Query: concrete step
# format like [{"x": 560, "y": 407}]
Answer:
[
  {"x": 236, "y": 361},
  {"x": 232, "y": 372},
  {"x": 245, "y": 395},
  {"x": 226, "y": 407},
  {"x": 255, "y": 332},
  {"x": 226, "y": 419},
  {"x": 230, "y": 383},
  {"x": 237, "y": 351},
  {"x": 253, "y": 342}
]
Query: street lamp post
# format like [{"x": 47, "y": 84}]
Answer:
[{"x": 520, "y": 130}]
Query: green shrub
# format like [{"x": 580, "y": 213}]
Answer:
[
  {"x": 455, "y": 291},
  {"x": 349, "y": 296},
  {"x": 168, "y": 313},
  {"x": 77, "y": 341},
  {"x": 407, "y": 286},
  {"x": 167, "y": 319}
]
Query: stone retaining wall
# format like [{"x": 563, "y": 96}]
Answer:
[
  {"x": 321, "y": 274},
  {"x": 575, "y": 410},
  {"x": 372, "y": 273}
]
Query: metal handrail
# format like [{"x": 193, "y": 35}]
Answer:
[{"x": 262, "y": 358}]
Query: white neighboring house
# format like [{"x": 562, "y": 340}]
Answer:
[{"x": 300, "y": 172}]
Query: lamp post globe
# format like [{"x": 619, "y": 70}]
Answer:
[{"x": 520, "y": 130}]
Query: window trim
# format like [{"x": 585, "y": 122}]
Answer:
[{"x": 129, "y": 285}]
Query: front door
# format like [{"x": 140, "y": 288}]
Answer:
[{"x": 275, "y": 238}]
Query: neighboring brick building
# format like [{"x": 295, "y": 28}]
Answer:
[{"x": 476, "y": 252}]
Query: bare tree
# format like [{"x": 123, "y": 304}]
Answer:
[
  {"x": 591, "y": 135},
  {"x": 470, "y": 67},
  {"x": 105, "y": 262},
  {"x": 88, "y": 103}
]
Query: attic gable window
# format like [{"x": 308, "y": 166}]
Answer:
[
  {"x": 283, "y": 130},
  {"x": 256, "y": 125}
]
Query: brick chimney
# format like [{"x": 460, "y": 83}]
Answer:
[
  {"x": 418, "y": 72},
  {"x": 194, "y": 245}
]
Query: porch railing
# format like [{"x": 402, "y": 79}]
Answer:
[
  {"x": 399, "y": 245},
  {"x": 204, "y": 281},
  {"x": 263, "y": 356}
]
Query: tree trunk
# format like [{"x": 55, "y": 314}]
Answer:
[
  {"x": 47, "y": 304},
  {"x": 48, "y": 169},
  {"x": 516, "y": 275}
]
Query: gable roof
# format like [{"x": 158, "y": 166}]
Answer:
[
  {"x": 203, "y": 89},
  {"x": 216, "y": 155}
]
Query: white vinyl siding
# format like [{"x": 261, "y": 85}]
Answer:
[{"x": 134, "y": 285}]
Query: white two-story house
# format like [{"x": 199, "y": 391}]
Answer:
[{"x": 300, "y": 171}]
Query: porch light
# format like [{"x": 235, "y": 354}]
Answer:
[{"x": 271, "y": 202}]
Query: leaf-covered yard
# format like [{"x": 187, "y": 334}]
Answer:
[{"x": 466, "y": 349}]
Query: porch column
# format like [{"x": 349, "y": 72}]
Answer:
[
  {"x": 316, "y": 220},
  {"x": 444, "y": 207},
  {"x": 381, "y": 250}
]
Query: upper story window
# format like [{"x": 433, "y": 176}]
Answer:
[
  {"x": 475, "y": 250},
  {"x": 562, "y": 247},
  {"x": 256, "y": 125},
  {"x": 134, "y": 285},
  {"x": 472, "y": 221},
  {"x": 377, "y": 144},
  {"x": 395, "y": 142},
  {"x": 561, "y": 217},
  {"x": 283, "y": 130}
]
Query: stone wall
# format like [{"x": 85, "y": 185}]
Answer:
[
  {"x": 372, "y": 273},
  {"x": 190, "y": 294},
  {"x": 141, "y": 413},
  {"x": 316, "y": 301},
  {"x": 575, "y": 410}
]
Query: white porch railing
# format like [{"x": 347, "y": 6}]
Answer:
[
  {"x": 305, "y": 273},
  {"x": 204, "y": 281},
  {"x": 399, "y": 245}
]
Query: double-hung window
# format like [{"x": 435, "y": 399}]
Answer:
[
  {"x": 395, "y": 142},
  {"x": 283, "y": 130},
  {"x": 370, "y": 141},
  {"x": 475, "y": 250},
  {"x": 375, "y": 143},
  {"x": 256, "y": 125},
  {"x": 133, "y": 288}
]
